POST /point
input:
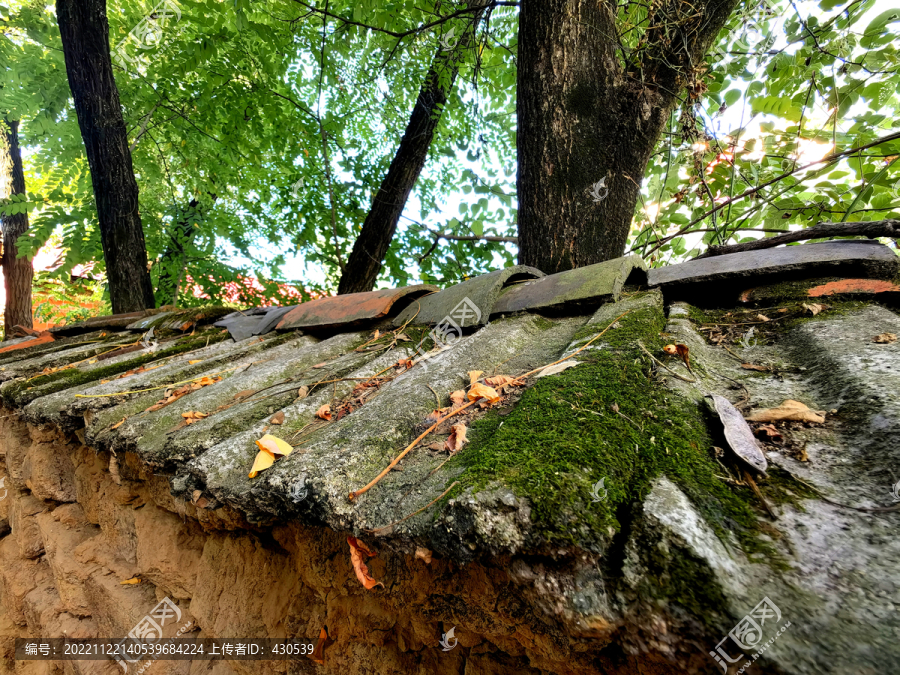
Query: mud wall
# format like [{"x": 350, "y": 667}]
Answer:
[{"x": 76, "y": 523}]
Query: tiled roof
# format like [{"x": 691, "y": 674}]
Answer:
[{"x": 99, "y": 379}]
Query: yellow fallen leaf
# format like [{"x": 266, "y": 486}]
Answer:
[
  {"x": 192, "y": 362},
  {"x": 478, "y": 390},
  {"x": 358, "y": 553},
  {"x": 274, "y": 445},
  {"x": 119, "y": 423},
  {"x": 130, "y": 582},
  {"x": 885, "y": 338},
  {"x": 788, "y": 411},
  {"x": 264, "y": 459},
  {"x": 324, "y": 413},
  {"x": 474, "y": 375}
]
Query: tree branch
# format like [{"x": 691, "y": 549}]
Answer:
[{"x": 870, "y": 229}]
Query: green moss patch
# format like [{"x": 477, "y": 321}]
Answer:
[{"x": 564, "y": 436}]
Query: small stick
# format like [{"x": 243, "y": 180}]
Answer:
[{"x": 756, "y": 489}]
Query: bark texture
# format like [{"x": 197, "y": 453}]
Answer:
[
  {"x": 17, "y": 272},
  {"x": 85, "y": 37},
  {"x": 588, "y": 119},
  {"x": 378, "y": 229}
]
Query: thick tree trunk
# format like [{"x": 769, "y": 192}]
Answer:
[
  {"x": 17, "y": 272},
  {"x": 587, "y": 125},
  {"x": 85, "y": 37},
  {"x": 373, "y": 241}
]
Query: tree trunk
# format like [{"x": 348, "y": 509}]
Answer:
[
  {"x": 587, "y": 124},
  {"x": 17, "y": 272},
  {"x": 85, "y": 37},
  {"x": 373, "y": 241}
]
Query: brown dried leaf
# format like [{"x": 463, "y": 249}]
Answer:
[
  {"x": 194, "y": 415},
  {"x": 303, "y": 392},
  {"x": 457, "y": 398},
  {"x": 244, "y": 394},
  {"x": 770, "y": 433},
  {"x": 457, "y": 438},
  {"x": 815, "y": 308},
  {"x": 615, "y": 407},
  {"x": 751, "y": 366},
  {"x": 885, "y": 338},
  {"x": 194, "y": 361},
  {"x": 277, "y": 418},
  {"x": 119, "y": 423},
  {"x": 739, "y": 435},
  {"x": 478, "y": 390},
  {"x": 474, "y": 375},
  {"x": 504, "y": 380},
  {"x": 358, "y": 553},
  {"x": 788, "y": 411},
  {"x": 433, "y": 417},
  {"x": 324, "y": 413},
  {"x": 762, "y": 317},
  {"x": 321, "y": 365}
]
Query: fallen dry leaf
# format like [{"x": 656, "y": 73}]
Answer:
[
  {"x": 558, "y": 368},
  {"x": 503, "y": 380},
  {"x": 303, "y": 392},
  {"x": 788, "y": 411},
  {"x": 751, "y": 366},
  {"x": 770, "y": 433},
  {"x": 885, "y": 338},
  {"x": 458, "y": 398},
  {"x": 318, "y": 652},
  {"x": 264, "y": 459},
  {"x": 195, "y": 495},
  {"x": 615, "y": 407},
  {"x": 324, "y": 413},
  {"x": 119, "y": 423},
  {"x": 321, "y": 365},
  {"x": 274, "y": 445},
  {"x": 192, "y": 362},
  {"x": 244, "y": 394},
  {"x": 435, "y": 446},
  {"x": 814, "y": 308},
  {"x": 277, "y": 418},
  {"x": 358, "y": 553},
  {"x": 376, "y": 334},
  {"x": 685, "y": 354},
  {"x": 194, "y": 415},
  {"x": 405, "y": 363},
  {"x": 130, "y": 582},
  {"x": 739, "y": 435},
  {"x": 478, "y": 390},
  {"x": 474, "y": 375},
  {"x": 457, "y": 438},
  {"x": 762, "y": 317},
  {"x": 423, "y": 553}
]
